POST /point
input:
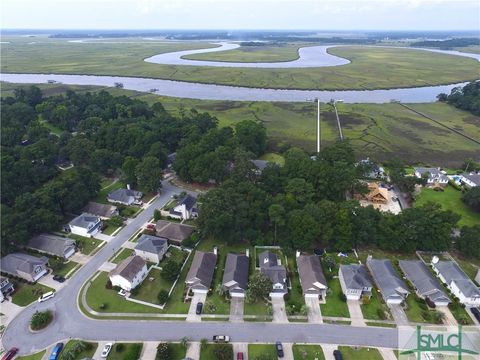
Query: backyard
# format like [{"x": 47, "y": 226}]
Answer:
[{"x": 307, "y": 352}]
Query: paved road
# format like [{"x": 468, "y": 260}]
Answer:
[{"x": 71, "y": 323}]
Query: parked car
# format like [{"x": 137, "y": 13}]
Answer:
[
  {"x": 198, "y": 311},
  {"x": 337, "y": 355},
  {"x": 106, "y": 350},
  {"x": 221, "y": 338},
  {"x": 56, "y": 351},
  {"x": 46, "y": 296},
  {"x": 59, "y": 278},
  {"x": 279, "y": 348},
  {"x": 240, "y": 356},
  {"x": 476, "y": 313},
  {"x": 10, "y": 354}
]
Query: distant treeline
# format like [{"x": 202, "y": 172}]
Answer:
[
  {"x": 466, "y": 98},
  {"x": 447, "y": 44}
]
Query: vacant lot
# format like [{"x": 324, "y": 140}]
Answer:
[
  {"x": 370, "y": 67},
  {"x": 450, "y": 199},
  {"x": 308, "y": 352}
]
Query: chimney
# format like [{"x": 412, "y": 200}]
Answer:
[
  {"x": 215, "y": 250},
  {"x": 297, "y": 253},
  {"x": 128, "y": 187},
  {"x": 247, "y": 253}
]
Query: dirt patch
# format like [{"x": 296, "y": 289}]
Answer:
[
  {"x": 304, "y": 109},
  {"x": 474, "y": 120}
]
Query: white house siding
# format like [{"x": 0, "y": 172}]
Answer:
[
  {"x": 394, "y": 301},
  {"x": 353, "y": 294},
  {"x": 200, "y": 291},
  {"x": 468, "y": 301},
  {"x": 83, "y": 232},
  {"x": 315, "y": 296},
  {"x": 147, "y": 256},
  {"x": 125, "y": 284}
]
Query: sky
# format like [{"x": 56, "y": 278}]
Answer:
[{"x": 242, "y": 14}]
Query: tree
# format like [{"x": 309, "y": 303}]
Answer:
[
  {"x": 162, "y": 296},
  {"x": 472, "y": 198},
  {"x": 149, "y": 174},
  {"x": 41, "y": 319},
  {"x": 164, "y": 352},
  {"x": 259, "y": 286},
  {"x": 128, "y": 169},
  {"x": 302, "y": 228},
  {"x": 223, "y": 352},
  {"x": 469, "y": 241},
  {"x": 170, "y": 270},
  {"x": 184, "y": 341},
  {"x": 276, "y": 213},
  {"x": 251, "y": 136},
  {"x": 157, "y": 215}
]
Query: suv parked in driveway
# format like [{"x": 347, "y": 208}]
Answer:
[
  {"x": 476, "y": 313},
  {"x": 198, "y": 310},
  {"x": 56, "y": 351},
  {"x": 106, "y": 350},
  {"x": 10, "y": 354},
  {"x": 337, "y": 355},
  {"x": 279, "y": 349}
]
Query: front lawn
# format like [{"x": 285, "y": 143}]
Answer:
[
  {"x": 295, "y": 301},
  {"x": 125, "y": 351},
  {"x": 178, "y": 351},
  {"x": 263, "y": 351},
  {"x": 65, "y": 268},
  {"x": 110, "y": 229},
  {"x": 335, "y": 304},
  {"x": 307, "y": 352},
  {"x": 417, "y": 309},
  {"x": 460, "y": 314},
  {"x": 350, "y": 353},
  {"x": 259, "y": 308},
  {"x": 27, "y": 293},
  {"x": 89, "y": 349},
  {"x": 450, "y": 199},
  {"x": 121, "y": 255},
  {"x": 375, "y": 309},
  {"x": 86, "y": 245},
  {"x": 36, "y": 356},
  {"x": 207, "y": 351},
  {"x": 150, "y": 287}
]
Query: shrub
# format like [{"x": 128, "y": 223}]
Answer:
[
  {"x": 223, "y": 352},
  {"x": 162, "y": 296},
  {"x": 108, "y": 285},
  {"x": 133, "y": 352},
  {"x": 170, "y": 270},
  {"x": 103, "y": 306},
  {"x": 120, "y": 348},
  {"x": 157, "y": 215},
  {"x": 135, "y": 291},
  {"x": 164, "y": 352},
  {"x": 41, "y": 319}
]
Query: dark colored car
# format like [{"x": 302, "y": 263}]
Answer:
[
  {"x": 59, "y": 278},
  {"x": 337, "y": 355},
  {"x": 199, "y": 308},
  {"x": 476, "y": 313},
  {"x": 240, "y": 356},
  {"x": 279, "y": 348},
  {"x": 56, "y": 351},
  {"x": 10, "y": 354}
]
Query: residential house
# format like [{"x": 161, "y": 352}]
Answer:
[
  {"x": 312, "y": 280},
  {"x": 391, "y": 286},
  {"x": 260, "y": 165},
  {"x": 151, "y": 248},
  {"x": 434, "y": 176},
  {"x": 6, "y": 288},
  {"x": 85, "y": 225},
  {"x": 457, "y": 282},
  {"x": 200, "y": 275},
  {"x": 125, "y": 196},
  {"x": 355, "y": 281},
  {"x": 25, "y": 266},
  {"x": 174, "y": 232},
  {"x": 270, "y": 266},
  {"x": 426, "y": 285},
  {"x": 171, "y": 159},
  {"x": 185, "y": 208},
  {"x": 52, "y": 245},
  {"x": 235, "y": 275},
  {"x": 470, "y": 180},
  {"x": 129, "y": 273},
  {"x": 103, "y": 211}
]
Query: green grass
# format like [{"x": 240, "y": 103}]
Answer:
[
  {"x": 102, "y": 194},
  {"x": 295, "y": 294},
  {"x": 66, "y": 268},
  {"x": 131, "y": 351},
  {"x": 350, "y": 353},
  {"x": 207, "y": 351},
  {"x": 178, "y": 351},
  {"x": 334, "y": 305},
  {"x": 307, "y": 352},
  {"x": 87, "y": 353},
  {"x": 148, "y": 290},
  {"x": 110, "y": 229},
  {"x": 36, "y": 356},
  {"x": 53, "y": 129},
  {"x": 255, "y": 350},
  {"x": 370, "y": 67},
  {"x": 274, "y": 158},
  {"x": 387, "y": 325},
  {"x": 450, "y": 199},
  {"x": 122, "y": 255},
  {"x": 375, "y": 309},
  {"x": 25, "y": 294},
  {"x": 86, "y": 245},
  {"x": 414, "y": 310},
  {"x": 460, "y": 314}
]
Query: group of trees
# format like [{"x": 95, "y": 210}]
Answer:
[{"x": 466, "y": 98}]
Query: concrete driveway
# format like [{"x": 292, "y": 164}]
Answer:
[
  {"x": 355, "y": 313},
  {"x": 240, "y": 348},
  {"x": 47, "y": 280},
  {"x": 279, "y": 313},
  {"x": 149, "y": 350},
  {"x": 192, "y": 316},
  {"x": 449, "y": 318},
  {"x": 387, "y": 354},
  {"x": 328, "y": 351},
  {"x": 98, "y": 352},
  {"x": 287, "y": 351},
  {"x": 399, "y": 315},
  {"x": 193, "y": 351},
  {"x": 313, "y": 310},
  {"x": 80, "y": 258},
  {"x": 236, "y": 309}
]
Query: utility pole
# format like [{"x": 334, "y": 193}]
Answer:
[
  {"x": 318, "y": 125},
  {"x": 334, "y": 102}
]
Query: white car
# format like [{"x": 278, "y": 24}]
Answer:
[
  {"x": 106, "y": 350},
  {"x": 46, "y": 296}
]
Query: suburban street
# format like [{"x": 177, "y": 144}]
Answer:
[{"x": 70, "y": 322}]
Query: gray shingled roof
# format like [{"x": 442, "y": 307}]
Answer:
[
  {"x": 260, "y": 164},
  {"x": 452, "y": 272},
  {"x": 151, "y": 244},
  {"x": 188, "y": 200},
  {"x": 355, "y": 276},
  {"x": 21, "y": 262},
  {"x": 269, "y": 266},
  {"x": 387, "y": 279},
  {"x": 85, "y": 221},
  {"x": 423, "y": 280},
  {"x": 102, "y": 210},
  {"x": 475, "y": 178},
  {"x": 202, "y": 269},
  {"x": 236, "y": 269},
  {"x": 51, "y": 244},
  {"x": 433, "y": 173},
  {"x": 310, "y": 272},
  {"x": 124, "y": 196},
  {"x": 173, "y": 231},
  {"x": 129, "y": 267}
]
